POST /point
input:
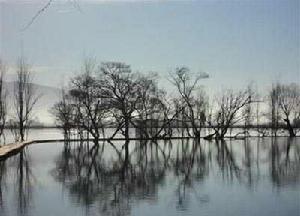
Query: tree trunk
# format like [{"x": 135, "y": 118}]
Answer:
[
  {"x": 96, "y": 140},
  {"x": 196, "y": 133},
  {"x": 290, "y": 128},
  {"x": 127, "y": 140},
  {"x": 126, "y": 128},
  {"x": 21, "y": 130}
]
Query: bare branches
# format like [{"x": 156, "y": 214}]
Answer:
[
  {"x": 196, "y": 104},
  {"x": 24, "y": 98},
  {"x": 37, "y": 14},
  {"x": 121, "y": 88},
  {"x": 113, "y": 95},
  {"x": 44, "y": 8},
  {"x": 285, "y": 105},
  {"x": 86, "y": 96},
  {"x": 227, "y": 112},
  {"x": 63, "y": 111}
]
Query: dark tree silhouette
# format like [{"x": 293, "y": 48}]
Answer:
[
  {"x": 64, "y": 114},
  {"x": 195, "y": 105},
  {"x": 228, "y": 112},
  {"x": 122, "y": 91},
  {"x": 289, "y": 105},
  {"x": 90, "y": 107},
  {"x": 150, "y": 107}
]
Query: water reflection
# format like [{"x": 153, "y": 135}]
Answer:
[
  {"x": 285, "y": 162},
  {"x": 2, "y": 187},
  {"x": 112, "y": 181},
  {"x": 105, "y": 179},
  {"x": 16, "y": 171},
  {"x": 105, "y": 175},
  {"x": 226, "y": 161},
  {"x": 24, "y": 183}
]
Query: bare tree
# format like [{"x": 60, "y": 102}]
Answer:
[
  {"x": 248, "y": 111},
  {"x": 228, "y": 112},
  {"x": 274, "y": 108},
  {"x": 3, "y": 104},
  {"x": 195, "y": 106},
  {"x": 289, "y": 104},
  {"x": 121, "y": 90},
  {"x": 259, "y": 113},
  {"x": 24, "y": 98},
  {"x": 64, "y": 113},
  {"x": 90, "y": 107},
  {"x": 150, "y": 107}
]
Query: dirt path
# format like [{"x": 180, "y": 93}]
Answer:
[{"x": 9, "y": 149}]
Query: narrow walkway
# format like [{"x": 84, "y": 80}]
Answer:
[
  {"x": 14, "y": 148},
  {"x": 10, "y": 149}
]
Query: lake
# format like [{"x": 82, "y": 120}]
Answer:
[{"x": 256, "y": 176}]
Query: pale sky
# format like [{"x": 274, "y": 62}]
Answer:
[{"x": 234, "y": 41}]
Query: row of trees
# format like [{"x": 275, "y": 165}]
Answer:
[
  {"x": 24, "y": 98},
  {"x": 111, "y": 94}
]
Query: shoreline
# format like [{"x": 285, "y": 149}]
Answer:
[{"x": 11, "y": 149}]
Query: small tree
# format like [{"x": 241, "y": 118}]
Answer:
[
  {"x": 121, "y": 90},
  {"x": 228, "y": 112},
  {"x": 274, "y": 108},
  {"x": 289, "y": 105},
  {"x": 195, "y": 105},
  {"x": 248, "y": 110},
  {"x": 64, "y": 114},
  {"x": 24, "y": 98},
  {"x": 150, "y": 106},
  {"x": 90, "y": 107}
]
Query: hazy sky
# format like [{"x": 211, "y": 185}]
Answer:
[{"x": 234, "y": 41}]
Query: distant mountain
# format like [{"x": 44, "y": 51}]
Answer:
[{"x": 48, "y": 96}]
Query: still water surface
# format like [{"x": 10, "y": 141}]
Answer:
[{"x": 257, "y": 176}]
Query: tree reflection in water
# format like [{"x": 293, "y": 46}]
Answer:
[
  {"x": 113, "y": 181},
  {"x": 3, "y": 171},
  {"x": 24, "y": 183},
  {"x": 23, "y": 180},
  {"x": 103, "y": 174},
  {"x": 105, "y": 179},
  {"x": 226, "y": 161},
  {"x": 285, "y": 161},
  {"x": 108, "y": 177}
]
